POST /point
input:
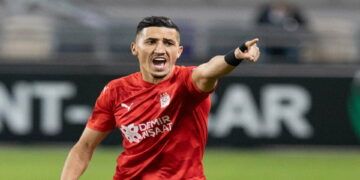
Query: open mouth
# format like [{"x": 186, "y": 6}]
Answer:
[{"x": 159, "y": 62}]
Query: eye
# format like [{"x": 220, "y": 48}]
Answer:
[
  {"x": 169, "y": 43},
  {"x": 150, "y": 41}
]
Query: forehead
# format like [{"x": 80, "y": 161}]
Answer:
[{"x": 159, "y": 33}]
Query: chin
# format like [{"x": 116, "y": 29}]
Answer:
[{"x": 160, "y": 75}]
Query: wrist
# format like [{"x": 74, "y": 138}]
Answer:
[{"x": 231, "y": 59}]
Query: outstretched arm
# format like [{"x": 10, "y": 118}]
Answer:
[
  {"x": 80, "y": 155},
  {"x": 206, "y": 75}
]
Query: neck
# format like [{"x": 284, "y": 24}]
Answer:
[{"x": 153, "y": 79}]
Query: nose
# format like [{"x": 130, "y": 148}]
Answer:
[{"x": 160, "y": 48}]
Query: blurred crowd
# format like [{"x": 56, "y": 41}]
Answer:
[{"x": 290, "y": 31}]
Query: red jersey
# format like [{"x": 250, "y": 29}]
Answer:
[{"x": 164, "y": 126}]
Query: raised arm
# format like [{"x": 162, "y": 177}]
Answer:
[
  {"x": 80, "y": 155},
  {"x": 206, "y": 75}
]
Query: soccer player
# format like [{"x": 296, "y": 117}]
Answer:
[{"x": 161, "y": 111}]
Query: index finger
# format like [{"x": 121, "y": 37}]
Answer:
[{"x": 252, "y": 42}]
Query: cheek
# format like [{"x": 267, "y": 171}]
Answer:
[
  {"x": 143, "y": 56},
  {"x": 142, "y": 59}
]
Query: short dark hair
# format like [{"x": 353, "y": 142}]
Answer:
[{"x": 156, "y": 21}]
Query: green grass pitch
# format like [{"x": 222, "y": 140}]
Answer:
[{"x": 45, "y": 163}]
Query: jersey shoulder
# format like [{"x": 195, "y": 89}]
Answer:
[
  {"x": 180, "y": 68},
  {"x": 125, "y": 81},
  {"x": 183, "y": 71}
]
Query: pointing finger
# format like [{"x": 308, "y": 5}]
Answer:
[{"x": 251, "y": 42}]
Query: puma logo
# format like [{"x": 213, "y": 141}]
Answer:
[{"x": 126, "y": 106}]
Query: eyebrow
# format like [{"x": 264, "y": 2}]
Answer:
[
  {"x": 150, "y": 38},
  {"x": 169, "y": 40},
  {"x": 155, "y": 39}
]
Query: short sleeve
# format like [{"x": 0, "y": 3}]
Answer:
[
  {"x": 102, "y": 118},
  {"x": 189, "y": 83}
]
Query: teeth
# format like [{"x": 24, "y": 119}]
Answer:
[
  {"x": 159, "y": 62},
  {"x": 159, "y": 59}
]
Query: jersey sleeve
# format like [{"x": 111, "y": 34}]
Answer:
[
  {"x": 190, "y": 85},
  {"x": 102, "y": 118}
]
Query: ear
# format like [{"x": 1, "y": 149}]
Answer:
[
  {"x": 133, "y": 49},
  {"x": 180, "y": 50}
]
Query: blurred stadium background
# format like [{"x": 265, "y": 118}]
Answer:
[{"x": 293, "y": 115}]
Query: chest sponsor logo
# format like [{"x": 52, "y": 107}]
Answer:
[
  {"x": 136, "y": 133},
  {"x": 164, "y": 99}
]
